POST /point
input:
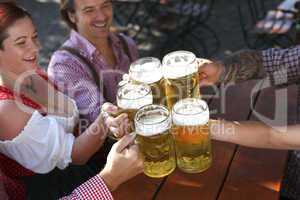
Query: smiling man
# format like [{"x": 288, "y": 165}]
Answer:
[{"x": 91, "y": 62}]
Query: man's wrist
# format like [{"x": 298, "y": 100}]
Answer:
[{"x": 109, "y": 180}]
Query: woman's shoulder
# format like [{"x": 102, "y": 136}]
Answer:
[
  {"x": 7, "y": 94},
  {"x": 7, "y": 105},
  {"x": 13, "y": 118}
]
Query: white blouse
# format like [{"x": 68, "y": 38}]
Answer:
[{"x": 45, "y": 142}]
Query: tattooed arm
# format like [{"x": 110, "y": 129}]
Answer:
[
  {"x": 281, "y": 66},
  {"x": 242, "y": 66}
]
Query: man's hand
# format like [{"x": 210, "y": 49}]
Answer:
[
  {"x": 209, "y": 72},
  {"x": 123, "y": 162}
]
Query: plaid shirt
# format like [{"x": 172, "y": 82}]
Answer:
[
  {"x": 282, "y": 65},
  {"x": 93, "y": 189},
  {"x": 283, "y": 68},
  {"x": 75, "y": 79}
]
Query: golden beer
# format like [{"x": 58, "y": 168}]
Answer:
[
  {"x": 180, "y": 71},
  {"x": 130, "y": 112},
  {"x": 153, "y": 123},
  {"x": 148, "y": 71},
  {"x": 191, "y": 134},
  {"x": 130, "y": 98}
]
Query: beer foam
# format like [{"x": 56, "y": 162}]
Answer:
[
  {"x": 147, "y": 77},
  {"x": 134, "y": 98},
  {"x": 190, "y": 113},
  {"x": 146, "y": 70},
  {"x": 179, "y": 64},
  {"x": 174, "y": 72},
  {"x": 152, "y": 124},
  {"x": 179, "y": 58}
]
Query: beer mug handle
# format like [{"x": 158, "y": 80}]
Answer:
[
  {"x": 201, "y": 61},
  {"x": 126, "y": 77},
  {"x": 124, "y": 81}
]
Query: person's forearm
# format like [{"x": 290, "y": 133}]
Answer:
[
  {"x": 256, "y": 134},
  {"x": 242, "y": 66},
  {"x": 89, "y": 142},
  {"x": 252, "y": 134}
]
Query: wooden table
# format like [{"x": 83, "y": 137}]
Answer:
[{"x": 236, "y": 173}]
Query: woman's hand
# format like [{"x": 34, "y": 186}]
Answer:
[
  {"x": 119, "y": 125},
  {"x": 123, "y": 162}
]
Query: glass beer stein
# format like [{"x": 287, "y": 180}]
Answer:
[
  {"x": 130, "y": 98},
  {"x": 191, "y": 135},
  {"x": 180, "y": 71},
  {"x": 148, "y": 71},
  {"x": 153, "y": 123}
]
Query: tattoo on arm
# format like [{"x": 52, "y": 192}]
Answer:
[
  {"x": 243, "y": 65},
  {"x": 31, "y": 86}
]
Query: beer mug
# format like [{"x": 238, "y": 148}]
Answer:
[
  {"x": 130, "y": 98},
  {"x": 180, "y": 71},
  {"x": 191, "y": 135},
  {"x": 148, "y": 71},
  {"x": 152, "y": 124}
]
